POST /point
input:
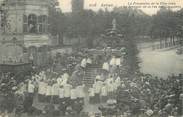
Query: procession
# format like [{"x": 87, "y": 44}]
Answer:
[
  {"x": 119, "y": 62},
  {"x": 60, "y": 94}
]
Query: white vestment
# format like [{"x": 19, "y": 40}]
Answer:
[
  {"x": 67, "y": 90},
  {"x": 89, "y": 61},
  {"x": 118, "y": 81},
  {"x": 61, "y": 93},
  {"x": 118, "y": 61},
  {"x": 59, "y": 81},
  {"x": 98, "y": 86},
  {"x": 65, "y": 75},
  {"x": 91, "y": 92},
  {"x": 80, "y": 91},
  {"x": 149, "y": 112},
  {"x": 48, "y": 90},
  {"x": 110, "y": 86},
  {"x": 74, "y": 94},
  {"x": 104, "y": 91},
  {"x": 64, "y": 81},
  {"x": 105, "y": 66},
  {"x": 42, "y": 88},
  {"x": 31, "y": 88},
  {"x": 113, "y": 61},
  {"x": 98, "y": 77},
  {"x": 55, "y": 89},
  {"x": 83, "y": 63}
]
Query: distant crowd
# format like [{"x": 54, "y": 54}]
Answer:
[{"x": 60, "y": 89}]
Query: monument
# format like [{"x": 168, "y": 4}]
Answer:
[{"x": 112, "y": 37}]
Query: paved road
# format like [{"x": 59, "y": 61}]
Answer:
[{"x": 160, "y": 62}]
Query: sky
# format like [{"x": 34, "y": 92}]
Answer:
[{"x": 109, "y": 4}]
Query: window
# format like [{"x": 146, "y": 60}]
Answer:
[
  {"x": 25, "y": 24},
  {"x": 42, "y": 24},
  {"x": 32, "y": 23}
]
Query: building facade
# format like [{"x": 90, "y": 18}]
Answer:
[{"x": 27, "y": 25}]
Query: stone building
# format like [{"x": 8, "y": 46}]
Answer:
[{"x": 27, "y": 25}]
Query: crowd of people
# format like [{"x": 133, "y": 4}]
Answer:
[
  {"x": 140, "y": 94},
  {"x": 150, "y": 95},
  {"x": 107, "y": 81},
  {"x": 54, "y": 89},
  {"x": 63, "y": 87}
]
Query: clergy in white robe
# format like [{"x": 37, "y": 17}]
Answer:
[
  {"x": 74, "y": 94},
  {"x": 113, "y": 61},
  {"x": 59, "y": 81},
  {"x": 55, "y": 92},
  {"x": 22, "y": 89},
  {"x": 80, "y": 92},
  {"x": 117, "y": 82},
  {"x": 91, "y": 95},
  {"x": 61, "y": 93},
  {"x": 104, "y": 90},
  {"x": 110, "y": 87},
  {"x": 132, "y": 84},
  {"x": 105, "y": 66},
  {"x": 64, "y": 79},
  {"x": 118, "y": 61},
  {"x": 109, "y": 83},
  {"x": 97, "y": 88},
  {"x": 104, "y": 93},
  {"x": 65, "y": 75},
  {"x": 83, "y": 63},
  {"x": 42, "y": 75},
  {"x": 67, "y": 91},
  {"x": 42, "y": 86},
  {"x": 55, "y": 89},
  {"x": 98, "y": 77},
  {"x": 31, "y": 88},
  {"x": 29, "y": 98},
  {"x": 89, "y": 61},
  {"x": 149, "y": 112},
  {"x": 48, "y": 92}
]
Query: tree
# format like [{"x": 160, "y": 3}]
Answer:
[{"x": 57, "y": 21}]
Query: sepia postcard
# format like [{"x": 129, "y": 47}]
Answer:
[{"x": 91, "y": 58}]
